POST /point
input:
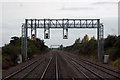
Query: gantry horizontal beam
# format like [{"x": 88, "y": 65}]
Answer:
[
  {"x": 63, "y": 23},
  {"x": 61, "y": 19}
]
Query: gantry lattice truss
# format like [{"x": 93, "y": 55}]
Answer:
[{"x": 65, "y": 24}]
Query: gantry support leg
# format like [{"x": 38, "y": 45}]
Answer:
[
  {"x": 23, "y": 42},
  {"x": 100, "y": 37},
  {"x": 102, "y": 41}
]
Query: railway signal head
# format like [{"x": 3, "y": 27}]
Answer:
[
  {"x": 33, "y": 36},
  {"x": 65, "y": 37},
  {"x": 46, "y": 36}
]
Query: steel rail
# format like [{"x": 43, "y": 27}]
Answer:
[
  {"x": 56, "y": 68},
  {"x": 95, "y": 66},
  {"x": 101, "y": 66},
  {"x": 102, "y": 78},
  {"x": 100, "y": 69},
  {"x": 87, "y": 77},
  {"x": 44, "y": 72},
  {"x": 15, "y": 73},
  {"x": 32, "y": 69},
  {"x": 96, "y": 74}
]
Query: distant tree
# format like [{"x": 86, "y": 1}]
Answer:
[
  {"x": 11, "y": 51},
  {"x": 13, "y": 40},
  {"x": 116, "y": 46},
  {"x": 93, "y": 38},
  {"x": 92, "y": 44},
  {"x": 112, "y": 47},
  {"x": 117, "y": 43},
  {"x": 77, "y": 40},
  {"x": 110, "y": 41},
  {"x": 89, "y": 47},
  {"x": 85, "y": 39}
]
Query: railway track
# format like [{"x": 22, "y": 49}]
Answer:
[
  {"x": 106, "y": 67},
  {"x": 26, "y": 70},
  {"x": 80, "y": 71},
  {"x": 44, "y": 74},
  {"x": 60, "y": 66},
  {"x": 88, "y": 74},
  {"x": 107, "y": 70},
  {"x": 17, "y": 72},
  {"x": 45, "y": 71},
  {"x": 65, "y": 70},
  {"x": 104, "y": 70}
]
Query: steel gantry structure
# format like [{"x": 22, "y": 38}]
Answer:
[{"x": 65, "y": 24}]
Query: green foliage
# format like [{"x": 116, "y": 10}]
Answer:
[
  {"x": 112, "y": 47},
  {"x": 117, "y": 43},
  {"x": 89, "y": 47},
  {"x": 85, "y": 39},
  {"x": 84, "y": 46},
  {"x": 77, "y": 40},
  {"x": 110, "y": 41},
  {"x": 116, "y": 63},
  {"x": 113, "y": 53},
  {"x": 11, "y": 51}
]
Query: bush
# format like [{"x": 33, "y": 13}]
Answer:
[{"x": 11, "y": 51}]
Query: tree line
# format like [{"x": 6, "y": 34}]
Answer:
[
  {"x": 11, "y": 51},
  {"x": 88, "y": 47}
]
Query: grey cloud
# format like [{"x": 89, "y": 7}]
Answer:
[
  {"x": 76, "y": 8},
  {"x": 102, "y": 3}
]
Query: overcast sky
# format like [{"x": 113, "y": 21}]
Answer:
[{"x": 14, "y": 13}]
